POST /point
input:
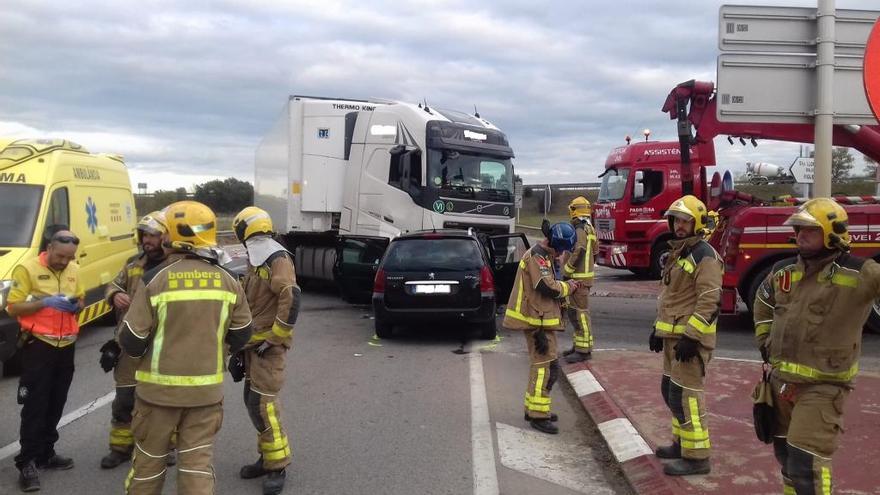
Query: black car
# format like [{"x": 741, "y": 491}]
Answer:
[{"x": 439, "y": 275}]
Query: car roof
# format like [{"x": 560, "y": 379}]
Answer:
[{"x": 438, "y": 234}]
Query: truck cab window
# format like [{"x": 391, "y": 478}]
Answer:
[
  {"x": 59, "y": 208},
  {"x": 647, "y": 184},
  {"x": 613, "y": 185}
]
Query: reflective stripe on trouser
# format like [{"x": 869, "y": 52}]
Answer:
[
  {"x": 811, "y": 423},
  {"x": 543, "y": 372},
  {"x": 265, "y": 378},
  {"x": 579, "y": 316},
  {"x": 153, "y": 427},
  {"x": 684, "y": 397},
  {"x": 121, "y": 439}
]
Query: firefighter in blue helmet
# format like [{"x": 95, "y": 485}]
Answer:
[{"x": 535, "y": 308}]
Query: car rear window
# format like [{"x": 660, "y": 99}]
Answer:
[{"x": 433, "y": 255}]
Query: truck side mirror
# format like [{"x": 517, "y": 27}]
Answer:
[
  {"x": 639, "y": 185},
  {"x": 397, "y": 150}
]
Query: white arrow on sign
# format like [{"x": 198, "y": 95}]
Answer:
[{"x": 802, "y": 170}]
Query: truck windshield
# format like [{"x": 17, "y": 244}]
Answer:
[
  {"x": 463, "y": 175},
  {"x": 20, "y": 205},
  {"x": 613, "y": 185}
]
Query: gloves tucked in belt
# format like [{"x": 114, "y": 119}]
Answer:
[
  {"x": 61, "y": 303},
  {"x": 686, "y": 349},
  {"x": 110, "y": 353},
  {"x": 236, "y": 366},
  {"x": 655, "y": 343},
  {"x": 542, "y": 345},
  {"x": 262, "y": 348}
]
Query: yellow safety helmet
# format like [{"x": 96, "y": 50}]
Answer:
[
  {"x": 580, "y": 207},
  {"x": 828, "y": 215},
  {"x": 251, "y": 221},
  {"x": 687, "y": 208},
  {"x": 153, "y": 223},
  {"x": 191, "y": 225}
]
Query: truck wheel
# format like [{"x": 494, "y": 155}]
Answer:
[
  {"x": 658, "y": 259},
  {"x": 754, "y": 285},
  {"x": 488, "y": 331},
  {"x": 384, "y": 328},
  {"x": 873, "y": 323}
]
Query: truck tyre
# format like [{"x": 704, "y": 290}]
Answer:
[
  {"x": 384, "y": 328},
  {"x": 658, "y": 258},
  {"x": 754, "y": 285},
  {"x": 488, "y": 330},
  {"x": 873, "y": 323}
]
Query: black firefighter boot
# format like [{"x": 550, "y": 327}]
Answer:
[
  {"x": 687, "y": 467},
  {"x": 274, "y": 482},
  {"x": 578, "y": 357},
  {"x": 544, "y": 425},
  {"x": 254, "y": 470},
  {"x": 669, "y": 451},
  {"x": 29, "y": 478},
  {"x": 114, "y": 458}
]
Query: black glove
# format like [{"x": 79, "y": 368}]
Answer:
[
  {"x": 262, "y": 348},
  {"x": 765, "y": 353},
  {"x": 655, "y": 343},
  {"x": 110, "y": 353},
  {"x": 686, "y": 349},
  {"x": 542, "y": 345},
  {"x": 236, "y": 366}
]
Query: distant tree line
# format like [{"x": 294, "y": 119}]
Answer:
[{"x": 223, "y": 196}]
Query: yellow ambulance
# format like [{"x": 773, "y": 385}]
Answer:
[{"x": 55, "y": 181}]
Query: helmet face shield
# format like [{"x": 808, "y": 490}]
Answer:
[
  {"x": 251, "y": 221},
  {"x": 689, "y": 208}
]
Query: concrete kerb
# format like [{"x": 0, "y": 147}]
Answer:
[{"x": 640, "y": 467}]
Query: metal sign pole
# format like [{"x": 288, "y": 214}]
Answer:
[{"x": 825, "y": 15}]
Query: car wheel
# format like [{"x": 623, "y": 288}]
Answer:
[
  {"x": 384, "y": 328},
  {"x": 488, "y": 330}
]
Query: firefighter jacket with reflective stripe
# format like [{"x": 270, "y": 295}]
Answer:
[
  {"x": 180, "y": 323},
  {"x": 536, "y": 295},
  {"x": 129, "y": 278},
  {"x": 690, "y": 292},
  {"x": 579, "y": 265},
  {"x": 33, "y": 279},
  {"x": 811, "y": 316},
  {"x": 274, "y": 299}
]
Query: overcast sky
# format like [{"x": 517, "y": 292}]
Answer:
[{"x": 186, "y": 90}]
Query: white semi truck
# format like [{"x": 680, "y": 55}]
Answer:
[{"x": 340, "y": 177}]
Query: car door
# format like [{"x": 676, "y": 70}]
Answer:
[
  {"x": 357, "y": 259},
  {"x": 505, "y": 252}
]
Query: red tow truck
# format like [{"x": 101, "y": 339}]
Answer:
[{"x": 641, "y": 180}]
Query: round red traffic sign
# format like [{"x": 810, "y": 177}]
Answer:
[{"x": 872, "y": 70}]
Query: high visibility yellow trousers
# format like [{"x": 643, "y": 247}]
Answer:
[{"x": 264, "y": 378}]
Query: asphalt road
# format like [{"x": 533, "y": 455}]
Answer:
[{"x": 430, "y": 411}]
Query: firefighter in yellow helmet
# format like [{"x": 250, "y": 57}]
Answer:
[
  {"x": 579, "y": 266},
  {"x": 809, "y": 314},
  {"x": 180, "y": 324},
  {"x": 687, "y": 310},
  {"x": 274, "y": 298},
  {"x": 151, "y": 232}
]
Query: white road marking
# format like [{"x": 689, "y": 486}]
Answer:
[
  {"x": 483, "y": 451},
  {"x": 584, "y": 383},
  {"x": 550, "y": 459},
  {"x": 68, "y": 418},
  {"x": 624, "y": 440}
]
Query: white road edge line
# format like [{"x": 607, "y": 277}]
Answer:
[
  {"x": 68, "y": 418},
  {"x": 485, "y": 474}
]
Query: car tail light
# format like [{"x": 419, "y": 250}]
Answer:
[
  {"x": 379, "y": 282},
  {"x": 487, "y": 281},
  {"x": 731, "y": 248}
]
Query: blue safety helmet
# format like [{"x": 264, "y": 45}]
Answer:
[{"x": 562, "y": 237}]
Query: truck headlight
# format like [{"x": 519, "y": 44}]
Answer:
[{"x": 5, "y": 287}]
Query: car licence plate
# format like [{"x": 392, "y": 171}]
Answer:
[{"x": 432, "y": 289}]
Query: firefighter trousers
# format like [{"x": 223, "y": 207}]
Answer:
[
  {"x": 121, "y": 439},
  {"x": 264, "y": 378},
  {"x": 153, "y": 426},
  {"x": 682, "y": 390},
  {"x": 579, "y": 315},
  {"x": 543, "y": 373},
  {"x": 809, "y": 420},
  {"x": 46, "y": 374}
]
